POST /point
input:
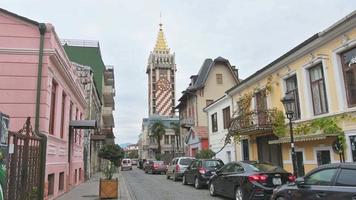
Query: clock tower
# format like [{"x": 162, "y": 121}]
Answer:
[{"x": 161, "y": 70}]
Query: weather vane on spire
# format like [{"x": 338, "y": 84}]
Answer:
[{"x": 160, "y": 20}]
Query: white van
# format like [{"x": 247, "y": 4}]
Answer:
[{"x": 126, "y": 164}]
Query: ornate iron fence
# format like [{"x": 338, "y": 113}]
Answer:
[{"x": 24, "y": 164}]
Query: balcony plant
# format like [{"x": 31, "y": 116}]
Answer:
[{"x": 109, "y": 187}]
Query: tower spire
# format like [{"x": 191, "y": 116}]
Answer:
[{"x": 161, "y": 43}]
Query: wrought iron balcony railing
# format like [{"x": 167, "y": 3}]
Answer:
[
  {"x": 187, "y": 122},
  {"x": 253, "y": 122}
]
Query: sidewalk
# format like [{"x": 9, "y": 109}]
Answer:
[{"x": 89, "y": 190}]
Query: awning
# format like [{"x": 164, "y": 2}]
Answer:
[
  {"x": 302, "y": 138},
  {"x": 83, "y": 124}
]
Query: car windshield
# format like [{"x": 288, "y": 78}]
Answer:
[
  {"x": 264, "y": 167},
  {"x": 125, "y": 161},
  {"x": 212, "y": 164},
  {"x": 185, "y": 161}
]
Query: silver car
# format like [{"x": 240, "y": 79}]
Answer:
[{"x": 177, "y": 167}]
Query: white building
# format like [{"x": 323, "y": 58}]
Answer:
[{"x": 219, "y": 114}]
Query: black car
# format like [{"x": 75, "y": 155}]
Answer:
[
  {"x": 331, "y": 181},
  {"x": 248, "y": 180},
  {"x": 200, "y": 171}
]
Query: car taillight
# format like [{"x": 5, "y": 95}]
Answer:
[
  {"x": 177, "y": 168},
  {"x": 258, "y": 178},
  {"x": 202, "y": 170},
  {"x": 291, "y": 178}
]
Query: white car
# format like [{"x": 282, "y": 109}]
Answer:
[{"x": 126, "y": 164}]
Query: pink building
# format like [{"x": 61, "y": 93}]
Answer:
[{"x": 61, "y": 98}]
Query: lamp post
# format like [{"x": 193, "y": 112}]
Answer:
[{"x": 288, "y": 103}]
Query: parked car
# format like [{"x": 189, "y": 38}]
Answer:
[
  {"x": 248, "y": 180},
  {"x": 177, "y": 167},
  {"x": 134, "y": 161},
  {"x": 154, "y": 167},
  {"x": 200, "y": 171},
  {"x": 126, "y": 164},
  {"x": 146, "y": 163},
  {"x": 331, "y": 181}
]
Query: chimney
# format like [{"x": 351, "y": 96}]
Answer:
[{"x": 236, "y": 71}]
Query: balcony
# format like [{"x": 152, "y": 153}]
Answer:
[
  {"x": 187, "y": 122},
  {"x": 108, "y": 118},
  {"x": 254, "y": 122},
  {"x": 109, "y": 91}
]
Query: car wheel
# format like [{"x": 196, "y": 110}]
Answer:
[
  {"x": 212, "y": 189},
  {"x": 197, "y": 184},
  {"x": 174, "y": 177},
  {"x": 238, "y": 194},
  {"x": 167, "y": 176},
  {"x": 184, "y": 180},
  {"x": 146, "y": 171}
]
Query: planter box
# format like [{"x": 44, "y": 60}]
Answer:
[{"x": 109, "y": 189}]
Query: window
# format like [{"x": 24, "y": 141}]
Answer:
[
  {"x": 245, "y": 150},
  {"x": 53, "y": 107},
  {"x": 318, "y": 92},
  {"x": 214, "y": 122},
  {"x": 323, "y": 177},
  {"x": 348, "y": 60},
  {"x": 61, "y": 181},
  {"x": 219, "y": 79},
  {"x": 226, "y": 117},
  {"x": 152, "y": 140},
  {"x": 62, "y": 114},
  {"x": 292, "y": 90},
  {"x": 80, "y": 174},
  {"x": 75, "y": 176},
  {"x": 228, "y": 155},
  {"x": 209, "y": 101},
  {"x": 173, "y": 139},
  {"x": 166, "y": 139},
  {"x": 50, "y": 184},
  {"x": 323, "y": 157},
  {"x": 347, "y": 178}
]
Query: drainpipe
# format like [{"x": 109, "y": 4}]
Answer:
[{"x": 42, "y": 29}]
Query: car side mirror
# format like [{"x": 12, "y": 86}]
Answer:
[{"x": 299, "y": 181}]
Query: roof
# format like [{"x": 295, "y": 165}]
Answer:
[
  {"x": 161, "y": 43},
  {"x": 19, "y": 17},
  {"x": 90, "y": 56},
  {"x": 202, "y": 76},
  {"x": 295, "y": 49}
]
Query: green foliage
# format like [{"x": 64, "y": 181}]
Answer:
[
  {"x": 205, "y": 154},
  {"x": 158, "y": 130},
  {"x": 111, "y": 152},
  {"x": 133, "y": 154},
  {"x": 279, "y": 126},
  {"x": 109, "y": 170}
]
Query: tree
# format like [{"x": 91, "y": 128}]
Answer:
[
  {"x": 205, "y": 154},
  {"x": 111, "y": 152},
  {"x": 176, "y": 128},
  {"x": 158, "y": 130}
]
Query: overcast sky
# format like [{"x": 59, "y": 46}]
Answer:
[{"x": 249, "y": 33}]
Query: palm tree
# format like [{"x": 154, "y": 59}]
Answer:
[
  {"x": 158, "y": 130},
  {"x": 176, "y": 128}
]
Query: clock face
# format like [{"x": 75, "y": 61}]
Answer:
[{"x": 163, "y": 84}]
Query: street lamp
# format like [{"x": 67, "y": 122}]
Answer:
[{"x": 288, "y": 103}]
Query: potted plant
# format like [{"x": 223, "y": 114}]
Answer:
[{"x": 109, "y": 187}]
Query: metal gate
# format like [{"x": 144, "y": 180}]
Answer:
[{"x": 24, "y": 164}]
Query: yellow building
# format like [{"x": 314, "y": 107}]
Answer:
[{"x": 321, "y": 74}]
